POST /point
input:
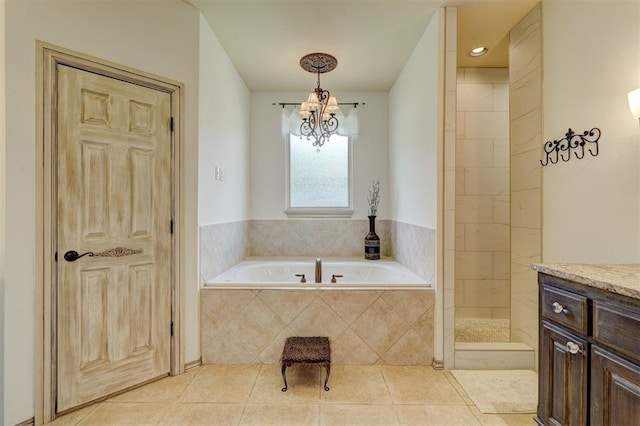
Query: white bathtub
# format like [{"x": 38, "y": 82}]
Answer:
[{"x": 281, "y": 274}]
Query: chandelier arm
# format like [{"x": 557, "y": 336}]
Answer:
[{"x": 330, "y": 125}]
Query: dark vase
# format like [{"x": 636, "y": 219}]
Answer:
[{"x": 372, "y": 241}]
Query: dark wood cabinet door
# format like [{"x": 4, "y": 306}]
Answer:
[
  {"x": 562, "y": 396},
  {"x": 615, "y": 389}
]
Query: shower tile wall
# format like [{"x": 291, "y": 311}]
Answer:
[
  {"x": 482, "y": 194},
  {"x": 525, "y": 51}
]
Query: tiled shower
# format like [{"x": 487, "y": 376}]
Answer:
[{"x": 482, "y": 286}]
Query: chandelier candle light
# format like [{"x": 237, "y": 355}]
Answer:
[{"x": 318, "y": 113}]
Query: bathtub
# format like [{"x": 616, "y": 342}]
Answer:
[
  {"x": 378, "y": 312},
  {"x": 285, "y": 274}
]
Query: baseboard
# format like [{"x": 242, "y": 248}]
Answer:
[
  {"x": 193, "y": 364},
  {"x": 437, "y": 364},
  {"x": 28, "y": 422}
]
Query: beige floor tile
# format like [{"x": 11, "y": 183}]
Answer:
[
  {"x": 503, "y": 419},
  {"x": 164, "y": 390},
  {"x": 251, "y": 394},
  {"x": 126, "y": 413},
  {"x": 347, "y": 414},
  {"x": 221, "y": 383},
  {"x": 289, "y": 414},
  {"x": 458, "y": 387},
  {"x": 436, "y": 415},
  {"x": 203, "y": 414},
  {"x": 353, "y": 384},
  {"x": 303, "y": 381},
  {"x": 420, "y": 385},
  {"x": 74, "y": 417}
]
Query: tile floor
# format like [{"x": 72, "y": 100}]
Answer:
[{"x": 251, "y": 395}]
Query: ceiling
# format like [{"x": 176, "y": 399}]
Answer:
[{"x": 372, "y": 39}]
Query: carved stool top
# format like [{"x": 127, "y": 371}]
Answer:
[{"x": 306, "y": 350}]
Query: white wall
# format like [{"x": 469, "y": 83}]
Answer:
[
  {"x": 223, "y": 141},
  {"x": 224, "y": 135},
  {"x": 160, "y": 37},
  {"x": 2, "y": 204},
  {"x": 414, "y": 126},
  {"x": 591, "y": 206},
  {"x": 370, "y": 151}
]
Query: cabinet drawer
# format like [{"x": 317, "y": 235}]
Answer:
[
  {"x": 564, "y": 307},
  {"x": 617, "y": 328}
]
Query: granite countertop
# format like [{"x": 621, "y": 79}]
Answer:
[{"x": 623, "y": 279}]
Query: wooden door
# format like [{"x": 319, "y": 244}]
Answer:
[
  {"x": 114, "y": 202},
  {"x": 615, "y": 389},
  {"x": 562, "y": 396}
]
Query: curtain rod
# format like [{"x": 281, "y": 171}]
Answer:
[{"x": 283, "y": 104}]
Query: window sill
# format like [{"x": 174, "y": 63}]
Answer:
[{"x": 319, "y": 212}]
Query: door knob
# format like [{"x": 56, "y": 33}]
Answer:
[{"x": 72, "y": 255}]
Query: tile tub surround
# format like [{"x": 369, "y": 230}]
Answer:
[
  {"x": 216, "y": 258},
  {"x": 414, "y": 247},
  {"x": 314, "y": 237},
  {"x": 224, "y": 245},
  {"x": 390, "y": 327}
]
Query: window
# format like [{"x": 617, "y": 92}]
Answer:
[{"x": 319, "y": 180}]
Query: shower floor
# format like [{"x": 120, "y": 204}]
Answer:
[{"x": 482, "y": 330}]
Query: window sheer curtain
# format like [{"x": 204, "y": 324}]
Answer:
[{"x": 347, "y": 120}]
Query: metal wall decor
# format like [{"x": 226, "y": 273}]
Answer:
[{"x": 577, "y": 144}]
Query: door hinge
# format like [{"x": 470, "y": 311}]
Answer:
[
  {"x": 171, "y": 331},
  {"x": 171, "y": 226},
  {"x": 171, "y": 124}
]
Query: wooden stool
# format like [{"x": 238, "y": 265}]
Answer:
[{"x": 306, "y": 350}]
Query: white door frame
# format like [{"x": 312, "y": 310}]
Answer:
[{"x": 47, "y": 58}]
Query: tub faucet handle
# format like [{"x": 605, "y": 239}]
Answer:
[
  {"x": 333, "y": 278},
  {"x": 318, "y": 271},
  {"x": 303, "y": 279}
]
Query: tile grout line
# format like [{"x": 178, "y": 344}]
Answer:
[
  {"x": 253, "y": 385},
  {"x": 393, "y": 403}
]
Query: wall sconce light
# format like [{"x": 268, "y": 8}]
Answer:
[{"x": 634, "y": 103}]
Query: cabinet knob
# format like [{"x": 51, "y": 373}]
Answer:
[
  {"x": 573, "y": 348},
  {"x": 558, "y": 308}
]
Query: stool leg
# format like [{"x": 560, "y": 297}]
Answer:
[
  {"x": 326, "y": 379},
  {"x": 284, "y": 377}
]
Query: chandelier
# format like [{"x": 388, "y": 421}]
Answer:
[{"x": 318, "y": 113}]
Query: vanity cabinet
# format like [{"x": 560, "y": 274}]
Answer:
[{"x": 589, "y": 364}]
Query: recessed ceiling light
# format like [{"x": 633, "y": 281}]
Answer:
[{"x": 478, "y": 51}]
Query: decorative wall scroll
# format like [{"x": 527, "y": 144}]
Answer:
[{"x": 572, "y": 143}]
